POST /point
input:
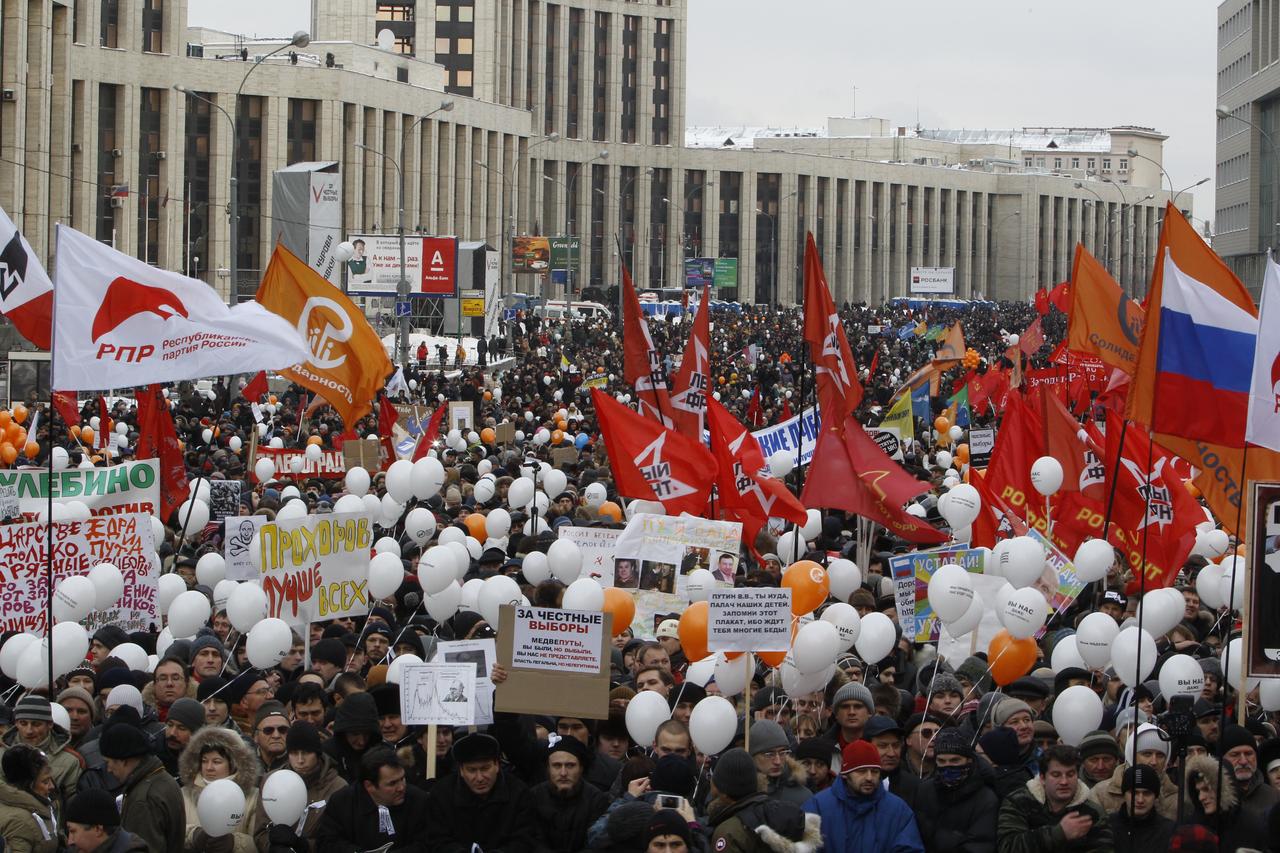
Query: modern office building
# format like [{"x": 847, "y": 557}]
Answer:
[
  {"x": 1247, "y": 215},
  {"x": 528, "y": 117}
]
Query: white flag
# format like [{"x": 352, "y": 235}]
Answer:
[
  {"x": 120, "y": 322},
  {"x": 26, "y": 296},
  {"x": 1263, "y": 428}
]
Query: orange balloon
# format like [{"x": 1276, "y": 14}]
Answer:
[
  {"x": 1010, "y": 659},
  {"x": 623, "y": 607},
  {"x": 86, "y": 435},
  {"x": 809, "y": 586},
  {"x": 612, "y": 510},
  {"x": 74, "y": 430},
  {"x": 488, "y": 436},
  {"x": 9, "y": 454},
  {"x": 271, "y": 398},
  {"x": 5, "y": 418},
  {"x": 475, "y": 526},
  {"x": 20, "y": 413},
  {"x": 693, "y": 631},
  {"x": 962, "y": 454},
  {"x": 557, "y": 436},
  {"x": 488, "y": 395},
  {"x": 562, "y": 424},
  {"x": 31, "y": 450},
  {"x": 941, "y": 423},
  {"x": 772, "y": 658},
  {"x": 315, "y": 439}
]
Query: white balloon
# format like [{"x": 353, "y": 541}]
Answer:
[
  {"x": 386, "y": 573},
  {"x": 816, "y": 646},
  {"x": 108, "y": 585},
  {"x": 595, "y": 494},
  {"x": 192, "y": 517},
  {"x": 169, "y": 587},
  {"x": 1046, "y": 475},
  {"x": 387, "y": 545},
  {"x": 583, "y": 594},
  {"x": 133, "y": 655},
  {"x": 484, "y": 490},
  {"x": 876, "y": 639},
  {"x": 291, "y": 510},
  {"x": 1209, "y": 586},
  {"x": 796, "y": 684},
  {"x": 246, "y": 606},
  {"x": 844, "y": 578},
  {"x": 1076, "y": 712},
  {"x": 210, "y": 569},
  {"x": 1094, "y": 636},
  {"x": 221, "y": 592},
  {"x": 1133, "y": 655},
  {"x": 295, "y": 464},
  {"x": 1217, "y": 542},
  {"x": 847, "y": 622},
  {"x": 791, "y": 547},
  {"x": 1093, "y": 560},
  {"x": 372, "y": 505},
  {"x": 395, "y": 670},
  {"x": 565, "y": 559},
  {"x": 13, "y": 651},
  {"x": 535, "y": 567},
  {"x": 1269, "y": 694},
  {"x": 420, "y": 525},
  {"x": 188, "y": 612},
  {"x": 970, "y": 619},
  {"x": 445, "y": 603},
  {"x": 732, "y": 675},
  {"x": 1231, "y": 589},
  {"x": 313, "y": 452},
  {"x": 520, "y": 493},
  {"x": 461, "y": 557},
  {"x": 73, "y": 599},
  {"x": 996, "y": 559},
  {"x": 701, "y": 672},
  {"x": 963, "y": 505},
  {"x": 451, "y": 534},
  {"x": 220, "y": 807},
  {"x": 554, "y": 482},
  {"x": 699, "y": 584},
  {"x": 1066, "y": 655},
  {"x": 235, "y": 443},
  {"x": 1231, "y": 659},
  {"x": 1160, "y": 610},
  {"x": 427, "y": 477},
  {"x": 60, "y": 716},
  {"x": 497, "y": 523},
  {"x": 950, "y": 592},
  {"x": 268, "y": 643},
  {"x": 265, "y": 468},
  {"x": 284, "y": 797},
  {"x": 70, "y": 645},
  {"x": 1181, "y": 675},
  {"x": 645, "y": 712},
  {"x": 713, "y": 724},
  {"x": 399, "y": 480},
  {"x": 474, "y": 548},
  {"x": 781, "y": 463},
  {"x": 33, "y": 669},
  {"x": 60, "y": 458},
  {"x": 1023, "y": 561},
  {"x": 497, "y": 591},
  {"x": 389, "y": 512},
  {"x": 1025, "y": 612},
  {"x": 812, "y": 525},
  {"x": 349, "y": 504}
]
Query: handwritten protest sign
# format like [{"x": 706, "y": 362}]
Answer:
[
  {"x": 123, "y": 540},
  {"x": 316, "y": 567},
  {"x": 911, "y": 575},
  {"x": 666, "y": 548},
  {"x": 330, "y": 465},
  {"x": 560, "y": 640},
  {"x": 237, "y": 546},
  {"x": 116, "y": 489},
  {"x": 749, "y": 620},
  {"x": 597, "y": 545}
]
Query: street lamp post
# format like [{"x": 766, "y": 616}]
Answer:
[
  {"x": 1134, "y": 155},
  {"x": 402, "y": 287},
  {"x": 1198, "y": 183},
  {"x": 570, "y": 209}
]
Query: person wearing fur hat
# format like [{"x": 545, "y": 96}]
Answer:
[
  {"x": 955, "y": 808},
  {"x": 28, "y": 817},
  {"x": 211, "y": 755},
  {"x": 1136, "y": 825},
  {"x": 480, "y": 803},
  {"x": 151, "y": 803},
  {"x": 745, "y": 819},
  {"x": 566, "y": 804},
  {"x": 1053, "y": 811},
  {"x": 1144, "y": 748},
  {"x": 857, "y": 813},
  {"x": 93, "y": 825},
  {"x": 1218, "y": 808},
  {"x": 33, "y": 726}
]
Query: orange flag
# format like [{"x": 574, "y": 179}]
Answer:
[
  {"x": 1103, "y": 321},
  {"x": 348, "y": 364},
  {"x": 952, "y": 349}
]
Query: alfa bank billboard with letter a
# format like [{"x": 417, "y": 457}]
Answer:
[
  {"x": 439, "y": 267},
  {"x": 430, "y": 265}
]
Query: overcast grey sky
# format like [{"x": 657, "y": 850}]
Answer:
[{"x": 989, "y": 63}]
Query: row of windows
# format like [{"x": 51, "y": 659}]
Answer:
[
  {"x": 1233, "y": 125},
  {"x": 461, "y": 14},
  {"x": 1060, "y": 163},
  {"x": 1234, "y": 74},
  {"x": 1234, "y": 217},
  {"x": 1235, "y": 26},
  {"x": 1233, "y": 170}
]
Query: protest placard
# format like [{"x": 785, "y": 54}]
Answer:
[
  {"x": 982, "y": 441},
  {"x": 597, "y": 546},
  {"x": 438, "y": 694},
  {"x": 316, "y": 567},
  {"x": 667, "y": 548},
  {"x": 122, "y": 540},
  {"x": 562, "y": 456},
  {"x": 10, "y": 506},
  {"x": 911, "y": 575},
  {"x": 480, "y": 653},
  {"x": 294, "y": 461},
  {"x": 749, "y": 620},
  {"x": 224, "y": 498},
  {"x": 237, "y": 546},
  {"x": 1262, "y": 635},
  {"x": 363, "y": 453},
  {"x": 560, "y": 640},
  {"x": 799, "y": 432},
  {"x": 127, "y": 487},
  {"x": 552, "y": 677},
  {"x": 505, "y": 433}
]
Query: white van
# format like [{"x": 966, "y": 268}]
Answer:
[{"x": 573, "y": 311}]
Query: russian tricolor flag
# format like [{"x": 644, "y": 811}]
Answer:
[{"x": 1204, "y": 361}]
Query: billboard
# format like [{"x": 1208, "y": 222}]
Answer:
[
  {"x": 933, "y": 280},
  {"x": 306, "y": 203},
  {"x": 542, "y": 254},
  {"x": 1262, "y": 655},
  {"x": 699, "y": 272},
  {"x": 726, "y": 273},
  {"x": 431, "y": 265}
]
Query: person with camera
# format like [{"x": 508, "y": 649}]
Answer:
[{"x": 1053, "y": 812}]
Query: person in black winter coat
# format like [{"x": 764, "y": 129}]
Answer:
[
  {"x": 379, "y": 808},
  {"x": 481, "y": 804},
  {"x": 355, "y": 731},
  {"x": 1137, "y": 827},
  {"x": 1007, "y": 773},
  {"x": 955, "y": 809},
  {"x": 565, "y": 804}
]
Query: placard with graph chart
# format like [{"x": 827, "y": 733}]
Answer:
[{"x": 438, "y": 694}]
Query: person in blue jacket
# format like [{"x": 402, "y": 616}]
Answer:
[{"x": 860, "y": 814}]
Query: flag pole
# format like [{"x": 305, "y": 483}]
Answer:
[{"x": 48, "y": 512}]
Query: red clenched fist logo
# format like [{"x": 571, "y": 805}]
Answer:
[{"x": 126, "y": 298}]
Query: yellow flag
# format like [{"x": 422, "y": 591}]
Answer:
[{"x": 900, "y": 416}]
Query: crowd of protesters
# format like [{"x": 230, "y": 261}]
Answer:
[{"x": 907, "y": 753}]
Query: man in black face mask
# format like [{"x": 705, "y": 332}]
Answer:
[{"x": 955, "y": 809}]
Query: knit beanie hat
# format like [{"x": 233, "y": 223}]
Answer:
[
  {"x": 83, "y": 695},
  {"x": 952, "y": 741},
  {"x": 858, "y": 754},
  {"x": 1099, "y": 742},
  {"x": 1008, "y": 708},
  {"x": 330, "y": 651},
  {"x": 1141, "y": 776},
  {"x": 735, "y": 774},
  {"x": 111, "y": 636},
  {"x": 125, "y": 694},
  {"x": 673, "y": 774},
  {"x": 302, "y": 736},
  {"x": 815, "y": 749},
  {"x": 853, "y": 691},
  {"x": 767, "y": 735},
  {"x": 32, "y": 707},
  {"x": 945, "y": 682},
  {"x": 1148, "y": 737},
  {"x": 93, "y": 807},
  {"x": 208, "y": 641},
  {"x": 667, "y": 822},
  {"x": 1001, "y": 746},
  {"x": 122, "y": 738},
  {"x": 211, "y": 686},
  {"x": 1232, "y": 736},
  {"x": 188, "y": 713},
  {"x": 573, "y": 746},
  {"x": 627, "y": 823}
]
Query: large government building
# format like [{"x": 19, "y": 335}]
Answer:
[{"x": 527, "y": 117}]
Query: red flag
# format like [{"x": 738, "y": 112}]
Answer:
[
  {"x": 1060, "y": 296},
  {"x": 1081, "y": 459},
  {"x": 256, "y": 387},
  {"x": 852, "y": 473},
  {"x": 387, "y": 417},
  {"x": 692, "y": 381},
  {"x": 1032, "y": 339},
  {"x": 743, "y": 479},
  {"x": 786, "y": 414},
  {"x": 1042, "y": 302},
  {"x": 1149, "y": 502},
  {"x": 429, "y": 434},
  {"x": 1019, "y": 444},
  {"x": 102, "y": 437},
  {"x": 839, "y": 391},
  {"x": 991, "y": 388},
  {"x": 642, "y": 363},
  {"x": 68, "y": 406},
  {"x": 653, "y": 462},
  {"x": 875, "y": 362},
  {"x": 983, "y": 532},
  {"x": 755, "y": 414},
  {"x": 157, "y": 439}
]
